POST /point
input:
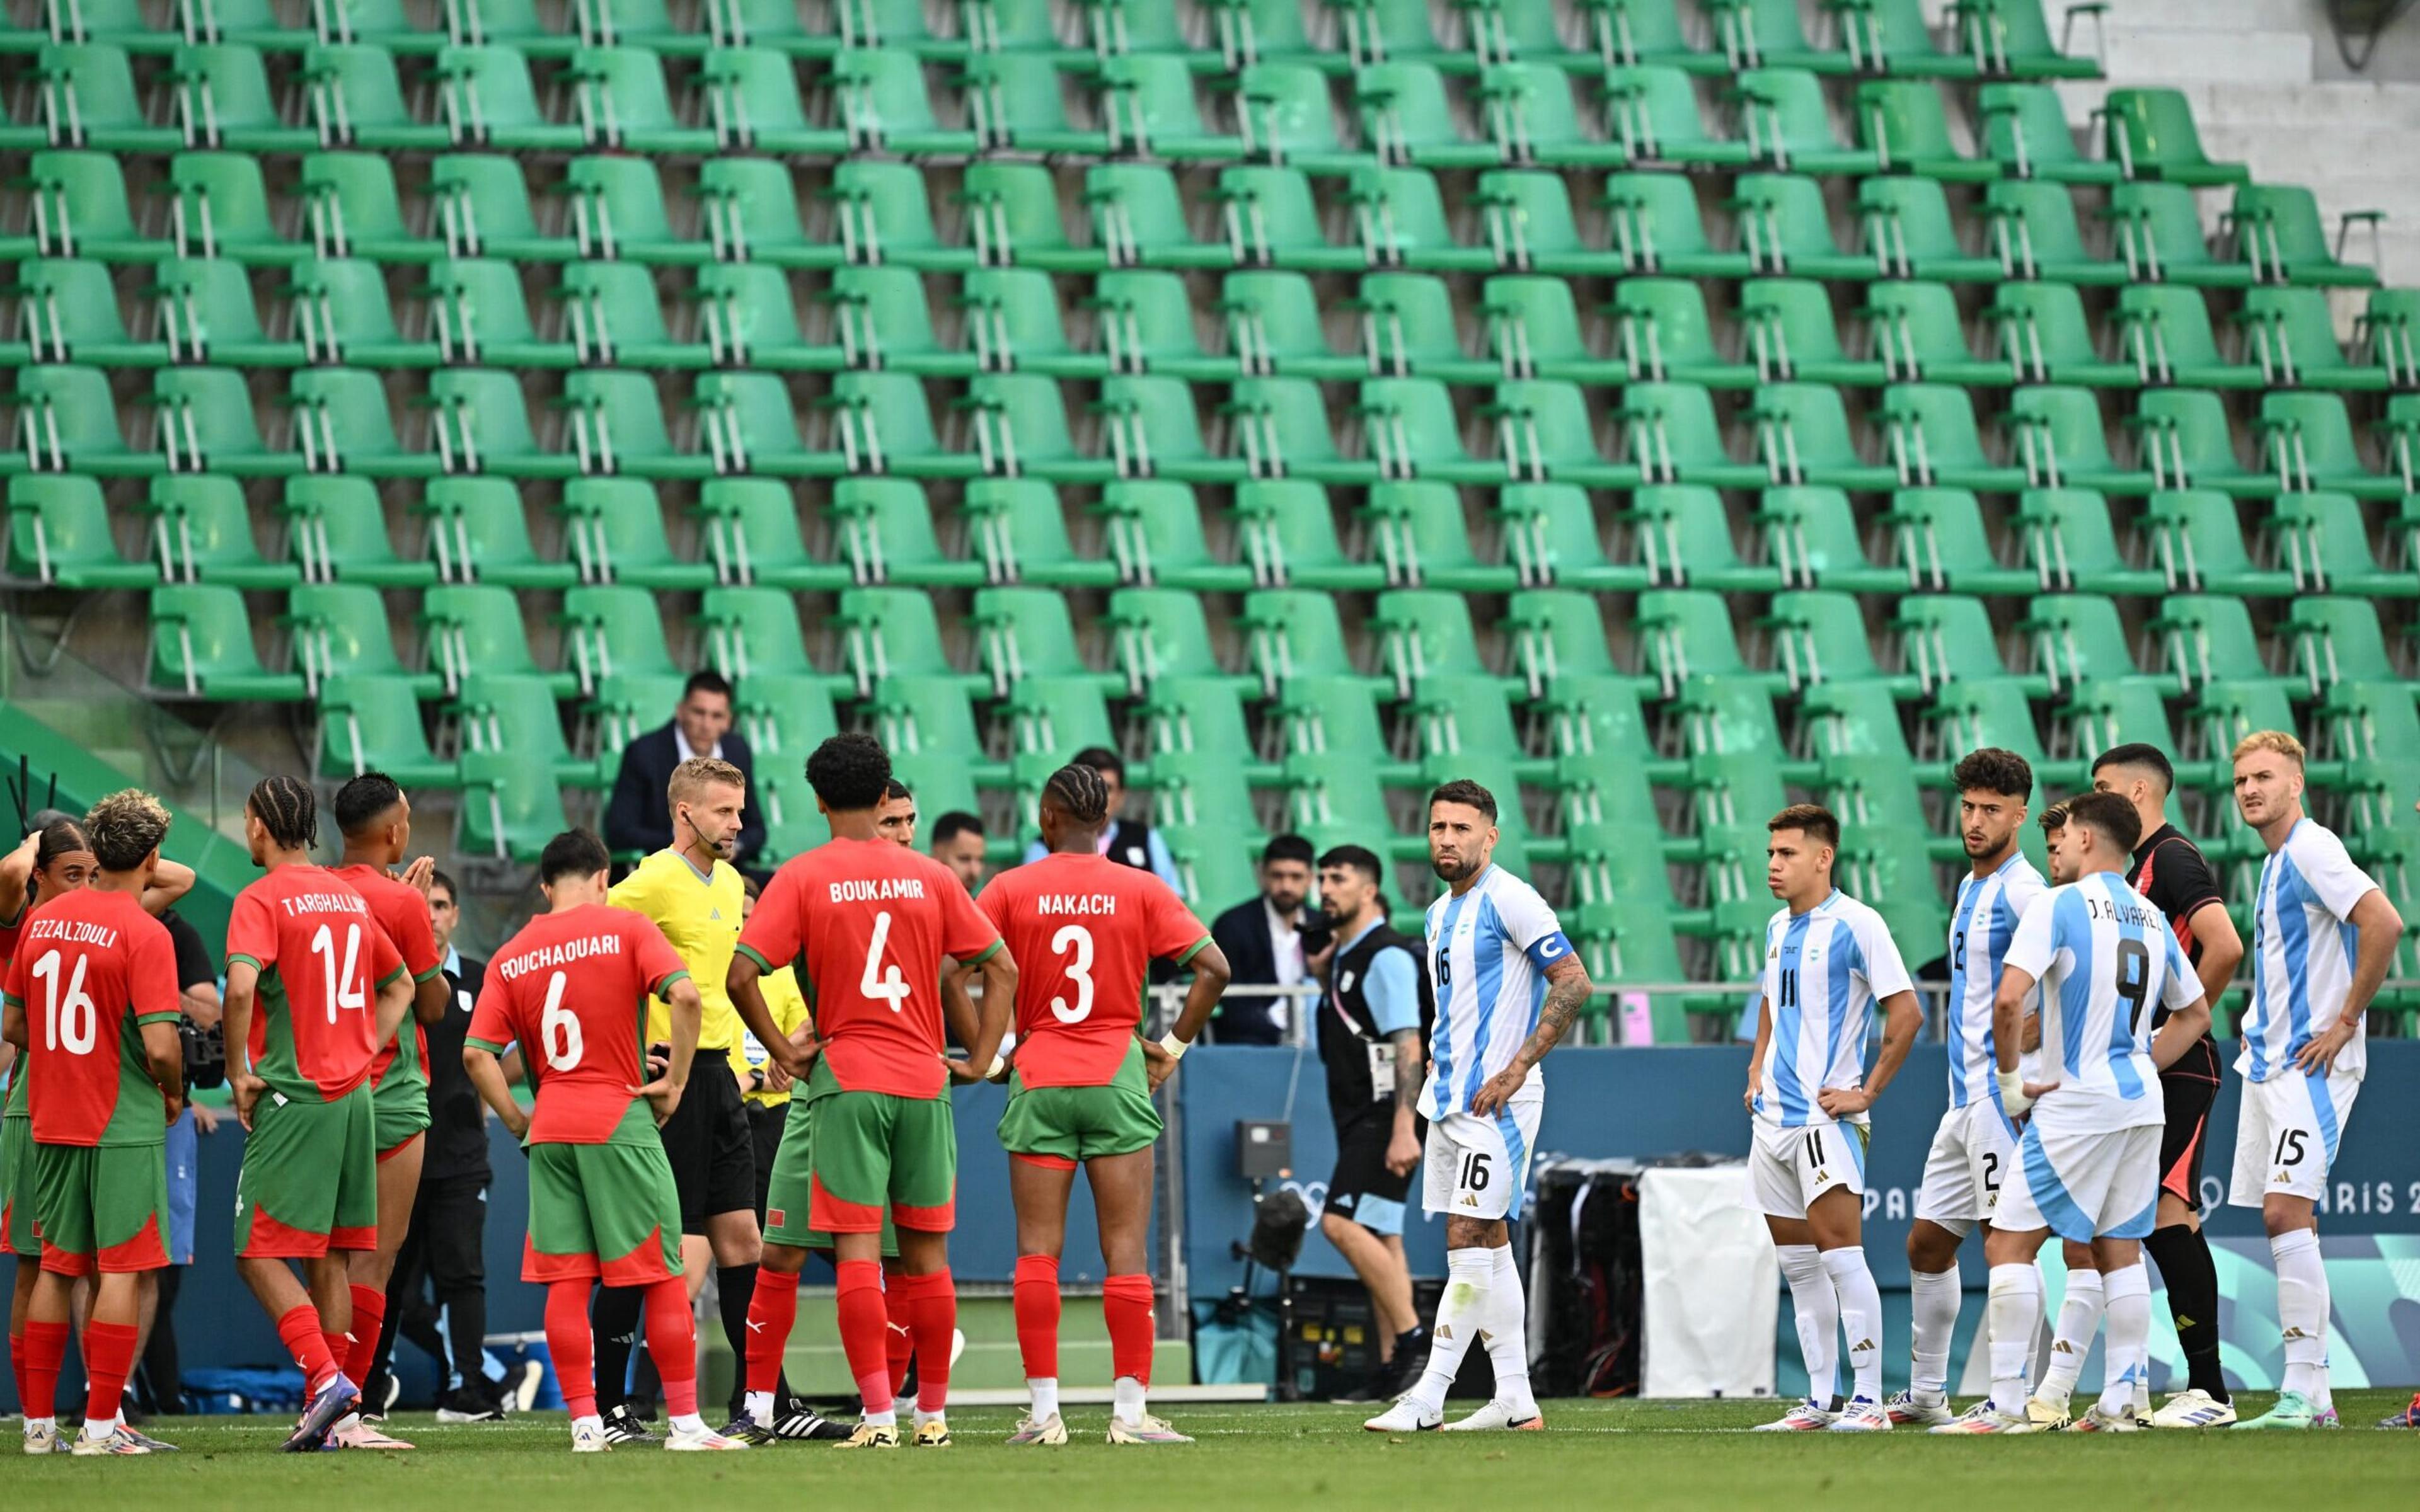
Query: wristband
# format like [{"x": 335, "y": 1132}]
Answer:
[
  {"x": 1174, "y": 1046},
  {"x": 999, "y": 1069},
  {"x": 2013, "y": 1100}
]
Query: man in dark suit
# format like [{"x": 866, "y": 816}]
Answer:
[
  {"x": 637, "y": 819},
  {"x": 1263, "y": 941}
]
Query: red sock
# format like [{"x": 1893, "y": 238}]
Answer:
[
  {"x": 1037, "y": 1315},
  {"x": 574, "y": 1349},
  {"x": 898, "y": 1344},
  {"x": 863, "y": 1321},
  {"x": 369, "y": 1312},
  {"x": 46, "y": 1346},
  {"x": 671, "y": 1343},
  {"x": 772, "y": 1311},
  {"x": 300, "y": 1329},
  {"x": 1125, "y": 1305},
  {"x": 931, "y": 1306},
  {"x": 17, "y": 1359},
  {"x": 340, "y": 1349},
  {"x": 108, "y": 1360}
]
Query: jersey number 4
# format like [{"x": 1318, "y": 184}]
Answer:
[
  {"x": 880, "y": 985},
  {"x": 71, "y": 1022}
]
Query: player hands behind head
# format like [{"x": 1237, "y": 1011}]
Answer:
[
  {"x": 1975, "y": 1146},
  {"x": 313, "y": 988},
  {"x": 1490, "y": 933},
  {"x": 2099, "y": 957},
  {"x": 2323, "y": 938},
  {"x": 873, "y": 925},
  {"x": 1828, "y": 960},
  {"x": 1087, "y": 930},
  {"x": 572, "y": 990},
  {"x": 91, "y": 1001}
]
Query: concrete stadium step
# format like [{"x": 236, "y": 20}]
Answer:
[{"x": 2178, "y": 57}]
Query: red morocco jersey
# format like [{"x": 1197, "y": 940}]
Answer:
[
  {"x": 403, "y": 912},
  {"x": 90, "y": 969},
  {"x": 573, "y": 987},
  {"x": 867, "y": 923},
  {"x": 322, "y": 958},
  {"x": 1084, "y": 930}
]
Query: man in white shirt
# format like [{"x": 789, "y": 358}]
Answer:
[{"x": 1264, "y": 944}]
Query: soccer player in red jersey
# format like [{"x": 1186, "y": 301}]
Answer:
[
  {"x": 870, "y": 923},
  {"x": 374, "y": 820},
  {"x": 92, "y": 998},
  {"x": 572, "y": 988},
  {"x": 313, "y": 988},
  {"x": 1088, "y": 929}
]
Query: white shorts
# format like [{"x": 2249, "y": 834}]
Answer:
[
  {"x": 2103, "y": 1184},
  {"x": 2286, "y": 1135},
  {"x": 1974, "y": 1152},
  {"x": 1788, "y": 1168},
  {"x": 1479, "y": 1167}
]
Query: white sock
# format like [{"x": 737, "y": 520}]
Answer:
[
  {"x": 1045, "y": 1391},
  {"x": 886, "y": 1418},
  {"x": 2013, "y": 1313},
  {"x": 94, "y": 1432},
  {"x": 1861, "y": 1316},
  {"x": 2303, "y": 1312},
  {"x": 760, "y": 1408},
  {"x": 688, "y": 1422},
  {"x": 593, "y": 1423},
  {"x": 1508, "y": 1335},
  {"x": 1934, "y": 1296},
  {"x": 1462, "y": 1312},
  {"x": 1126, "y": 1401},
  {"x": 34, "y": 1425},
  {"x": 922, "y": 1417},
  {"x": 2128, "y": 1307},
  {"x": 1818, "y": 1308},
  {"x": 2079, "y": 1319}
]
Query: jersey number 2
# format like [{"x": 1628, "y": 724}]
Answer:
[
  {"x": 1076, "y": 938},
  {"x": 344, "y": 985},
  {"x": 73, "y": 1022},
  {"x": 876, "y": 984}
]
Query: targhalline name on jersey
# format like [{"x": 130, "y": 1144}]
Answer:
[
  {"x": 876, "y": 889},
  {"x": 324, "y": 902},
  {"x": 561, "y": 954}
]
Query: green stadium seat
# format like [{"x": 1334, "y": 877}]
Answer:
[
  {"x": 1670, "y": 434},
  {"x": 1947, "y": 640},
  {"x": 518, "y": 24},
  {"x": 1967, "y": 716},
  {"x": 1146, "y": 101},
  {"x": 2402, "y": 430},
  {"x": 1017, "y": 529},
  {"x": 751, "y": 536},
  {"x": 1941, "y": 542},
  {"x": 1272, "y": 220},
  {"x": 1424, "y": 633},
  {"x": 1901, "y": 122},
  {"x": 885, "y": 535},
  {"x": 67, "y": 310},
  {"x": 1909, "y": 232},
  {"x": 778, "y": 25},
  {"x": 490, "y": 101},
  {"x": 2324, "y": 541},
  {"x": 1803, "y": 436},
  {"x": 2045, "y": 333},
  {"x": 1666, "y": 335},
  {"x": 223, "y": 100},
  {"x": 1534, "y": 330},
  {"x": 1422, "y": 540},
  {"x": 1788, "y": 125},
  {"x": 1294, "y": 632},
  {"x": 1012, "y": 214},
  {"x": 220, "y": 208},
  {"x": 1283, "y": 427},
  {"x": 1811, "y": 535},
  {"x": 1631, "y": 32},
  {"x": 78, "y": 208},
  {"x": 1547, "y": 435},
  {"x": 2276, "y": 229},
  {"x": 477, "y": 533},
  {"x": 1408, "y": 118},
  {"x": 509, "y": 809},
  {"x": 2109, "y": 711},
  {"x": 1558, "y": 639},
  {"x": 1687, "y": 633},
  {"x": 481, "y": 318},
  {"x": 67, "y": 421},
  {"x": 752, "y": 101},
  {"x": 784, "y": 716},
  {"x": 884, "y": 218},
  {"x": 1766, "y": 34},
  {"x": 615, "y": 528},
  {"x": 337, "y": 531},
  {"x": 1788, "y": 329},
  {"x": 1049, "y": 717},
  {"x": 625, "y": 105},
  {"x": 751, "y": 215},
  {"x": 1409, "y": 430},
  {"x": 1020, "y": 429},
  {"x": 123, "y": 22},
  {"x": 1014, "y": 103},
  {"x": 617, "y": 425},
  {"x": 2198, "y": 541},
  {"x": 2308, "y": 439},
  {"x": 2184, "y": 435},
  {"x": 2072, "y": 545},
  {"x": 353, "y": 208},
  {"x": 1531, "y": 226},
  {"x": 618, "y": 210},
  {"x": 343, "y": 314},
  {"x": 1821, "y": 638},
  {"x": 2024, "y": 130},
  {"x": 88, "y": 100},
  {"x": 357, "y": 100},
  {"x": 2076, "y": 640},
  {"x": 1139, "y": 219},
  {"x": 2011, "y": 38},
  {"x": 614, "y": 315},
  {"x": 750, "y": 425},
  {"x": 1530, "y": 116},
  {"x": 518, "y": 715},
  {"x": 1284, "y": 116},
  {"x": 1685, "y": 540},
  {"x": 1400, "y": 218},
  {"x": 1160, "y": 633},
  {"x": 2210, "y": 642},
  {"x": 1651, "y": 111},
  {"x": 202, "y": 649},
  {"x": 892, "y": 634},
  {"x": 2165, "y": 329},
  {"x": 746, "y": 318},
  {"x": 483, "y": 210},
  {"x": 201, "y": 531},
  {"x": 1116, "y": 28},
  {"x": 1288, "y": 537},
  {"x": 1916, "y": 328},
  {"x": 882, "y": 320},
  {"x": 2384, "y": 334},
  {"x": 2150, "y": 134},
  {"x": 1273, "y": 322},
  {"x": 2290, "y": 334},
  {"x": 883, "y": 105},
  {"x": 612, "y": 630},
  {"x": 755, "y": 632},
  {"x": 1013, "y": 321},
  {"x": 1410, "y": 329},
  {"x": 61, "y": 535},
  {"x": 1895, "y": 36},
  {"x": 206, "y": 424},
  {"x": 373, "y": 724},
  {"x": 1028, "y": 632},
  {"x": 2035, "y": 236},
  {"x": 341, "y": 630},
  {"x": 1550, "y": 537},
  {"x": 2159, "y": 234},
  {"x": 1260, "y": 32},
  {"x": 635, "y": 22},
  {"x": 2056, "y": 437},
  {"x": 1785, "y": 228},
  {"x": 483, "y": 426},
  {"x": 2337, "y": 640}
]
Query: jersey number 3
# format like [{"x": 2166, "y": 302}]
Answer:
[{"x": 1077, "y": 939}]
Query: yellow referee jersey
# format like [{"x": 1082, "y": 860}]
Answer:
[
  {"x": 788, "y": 1007},
  {"x": 700, "y": 915}
]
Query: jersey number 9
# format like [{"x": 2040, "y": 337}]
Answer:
[{"x": 2134, "y": 970}]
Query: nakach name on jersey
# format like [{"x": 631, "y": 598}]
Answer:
[
  {"x": 2302, "y": 950},
  {"x": 1084, "y": 930},
  {"x": 573, "y": 989},
  {"x": 2106, "y": 962},
  {"x": 402, "y": 911},
  {"x": 1489, "y": 947},
  {"x": 90, "y": 969},
  {"x": 867, "y": 923},
  {"x": 1824, "y": 970},
  {"x": 322, "y": 959},
  {"x": 1985, "y": 922}
]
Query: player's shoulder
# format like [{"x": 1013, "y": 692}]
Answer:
[
  {"x": 1855, "y": 914},
  {"x": 2310, "y": 840},
  {"x": 1508, "y": 893}
]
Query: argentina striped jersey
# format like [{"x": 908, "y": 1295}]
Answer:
[
  {"x": 1489, "y": 949},
  {"x": 2302, "y": 950},
  {"x": 1979, "y": 931},
  {"x": 1822, "y": 971},
  {"x": 2107, "y": 961}
]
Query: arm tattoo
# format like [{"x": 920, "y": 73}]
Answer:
[
  {"x": 1567, "y": 993},
  {"x": 1407, "y": 1062}
]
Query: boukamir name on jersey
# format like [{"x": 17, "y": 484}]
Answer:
[
  {"x": 560, "y": 955},
  {"x": 324, "y": 902},
  {"x": 1051, "y": 904},
  {"x": 861, "y": 891},
  {"x": 73, "y": 931}
]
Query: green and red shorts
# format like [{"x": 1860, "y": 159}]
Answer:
[
  {"x": 878, "y": 1149},
  {"x": 309, "y": 1182},
  {"x": 790, "y": 1190},
  {"x": 100, "y": 1207},
  {"x": 1064, "y": 1126},
  {"x": 399, "y": 1106},
  {"x": 17, "y": 1235},
  {"x": 606, "y": 1212}
]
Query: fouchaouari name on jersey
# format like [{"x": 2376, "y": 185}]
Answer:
[
  {"x": 562, "y": 953},
  {"x": 875, "y": 889},
  {"x": 1076, "y": 905},
  {"x": 2104, "y": 957},
  {"x": 1989, "y": 907},
  {"x": 70, "y": 932},
  {"x": 1489, "y": 949}
]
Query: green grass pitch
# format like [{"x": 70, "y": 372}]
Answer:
[{"x": 1266, "y": 1458}]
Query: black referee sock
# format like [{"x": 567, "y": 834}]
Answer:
[
  {"x": 735, "y": 1286},
  {"x": 2182, "y": 1254},
  {"x": 615, "y": 1320}
]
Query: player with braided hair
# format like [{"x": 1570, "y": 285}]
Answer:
[{"x": 1081, "y": 1093}]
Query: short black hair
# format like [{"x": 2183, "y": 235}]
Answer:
[
  {"x": 1102, "y": 758},
  {"x": 2108, "y": 814},
  {"x": 362, "y": 799},
  {"x": 1813, "y": 820},
  {"x": 1463, "y": 790},
  {"x": 955, "y": 823},
  {"x": 1287, "y": 848},
  {"x": 708, "y": 681},
  {"x": 2139, "y": 753},
  {"x": 1994, "y": 769},
  {"x": 850, "y": 772},
  {"x": 286, "y": 807},
  {"x": 575, "y": 853},
  {"x": 1081, "y": 791},
  {"x": 895, "y": 789},
  {"x": 1355, "y": 858},
  {"x": 441, "y": 879}
]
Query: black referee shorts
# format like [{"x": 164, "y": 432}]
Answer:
[
  {"x": 712, "y": 1152},
  {"x": 1362, "y": 1187},
  {"x": 2185, "y": 1135},
  {"x": 765, "y": 1122}
]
